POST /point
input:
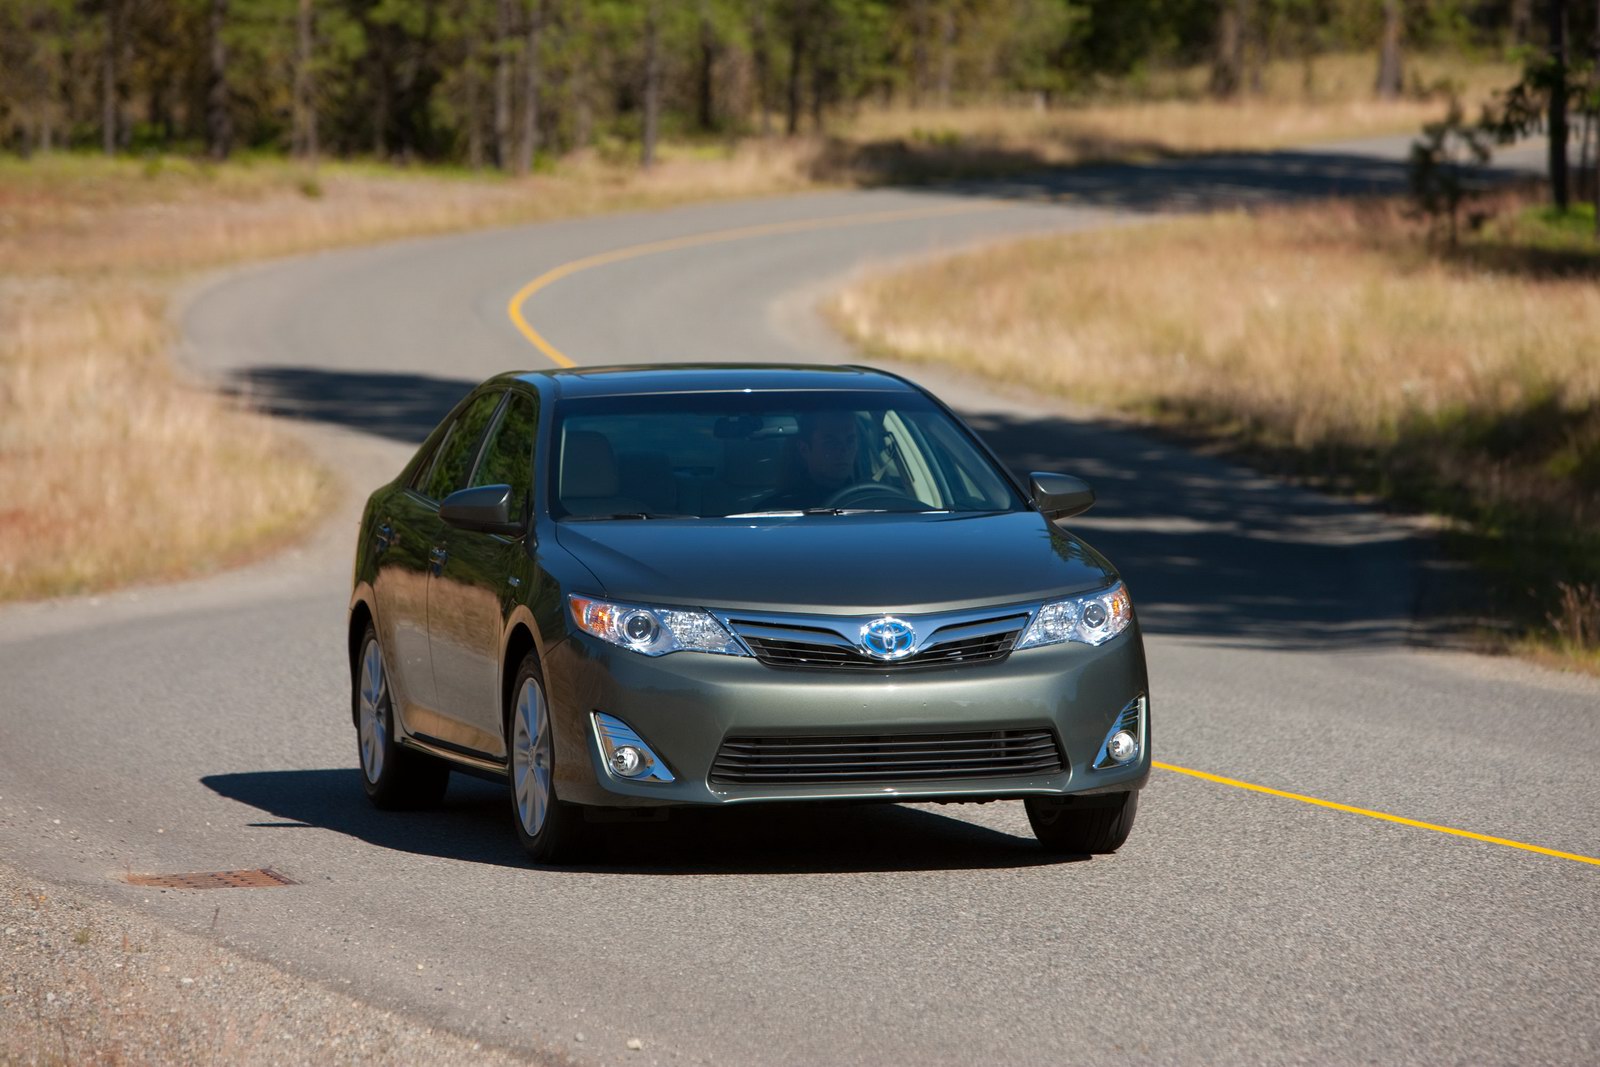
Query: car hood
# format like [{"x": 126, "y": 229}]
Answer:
[{"x": 847, "y": 564}]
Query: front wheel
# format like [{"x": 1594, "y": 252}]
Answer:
[
  {"x": 393, "y": 777},
  {"x": 548, "y": 829},
  {"x": 1092, "y": 825}
]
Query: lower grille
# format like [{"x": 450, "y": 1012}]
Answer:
[{"x": 887, "y": 758}]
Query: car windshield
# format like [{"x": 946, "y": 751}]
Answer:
[{"x": 767, "y": 453}]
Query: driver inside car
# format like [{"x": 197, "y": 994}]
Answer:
[{"x": 828, "y": 448}]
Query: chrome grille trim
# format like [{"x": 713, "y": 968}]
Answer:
[
  {"x": 806, "y": 760},
  {"x": 827, "y": 643}
]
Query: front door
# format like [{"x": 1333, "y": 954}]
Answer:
[
  {"x": 414, "y": 554},
  {"x": 470, "y": 593}
]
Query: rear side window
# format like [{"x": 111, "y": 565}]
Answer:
[
  {"x": 508, "y": 455},
  {"x": 459, "y": 448}
]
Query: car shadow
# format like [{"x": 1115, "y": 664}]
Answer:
[{"x": 472, "y": 825}]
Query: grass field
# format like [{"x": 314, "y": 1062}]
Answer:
[
  {"x": 102, "y": 440},
  {"x": 1335, "y": 341}
]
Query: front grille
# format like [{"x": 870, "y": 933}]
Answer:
[
  {"x": 885, "y": 758},
  {"x": 790, "y": 645}
]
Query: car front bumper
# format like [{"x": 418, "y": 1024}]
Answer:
[{"x": 684, "y": 705}]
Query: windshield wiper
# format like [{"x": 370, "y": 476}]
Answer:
[
  {"x": 627, "y": 515},
  {"x": 795, "y": 512}
]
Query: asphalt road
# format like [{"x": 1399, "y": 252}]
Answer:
[{"x": 205, "y": 726}]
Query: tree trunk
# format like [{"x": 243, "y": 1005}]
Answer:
[
  {"x": 474, "y": 91},
  {"x": 652, "y": 83},
  {"x": 382, "y": 87},
  {"x": 797, "y": 53},
  {"x": 582, "y": 108},
  {"x": 705, "y": 97},
  {"x": 761, "y": 57},
  {"x": 502, "y": 85},
  {"x": 219, "y": 118},
  {"x": 1390, "y": 72},
  {"x": 531, "y": 77},
  {"x": 1521, "y": 21},
  {"x": 947, "y": 52},
  {"x": 304, "y": 139},
  {"x": 110, "y": 109},
  {"x": 919, "y": 51},
  {"x": 1227, "y": 67},
  {"x": 1559, "y": 184}
]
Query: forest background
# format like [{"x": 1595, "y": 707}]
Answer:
[
  {"x": 143, "y": 142},
  {"x": 508, "y": 83}
]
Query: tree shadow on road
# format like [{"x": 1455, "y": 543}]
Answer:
[
  {"x": 1219, "y": 553},
  {"x": 1210, "y": 182},
  {"x": 401, "y": 407},
  {"x": 473, "y": 826}
]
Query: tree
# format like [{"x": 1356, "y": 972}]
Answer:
[
  {"x": 1227, "y": 67},
  {"x": 1390, "y": 74},
  {"x": 531, "y": 71},
  {"x": 304, "y": 138},
  {"x": 1560, "y": 190},
  {"x": 219, "y": 118},
  {"x": 502, "y": 84},
  {"x": 652, "y": 82}
]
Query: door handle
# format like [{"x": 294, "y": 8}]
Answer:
[
  {"x": 384, "y": 536},
  {"x": 438, "y": 556}
]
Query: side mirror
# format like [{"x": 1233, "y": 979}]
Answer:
[
  {"x": 1060, "y": 496},
  {"x": 483, "y": 509}
]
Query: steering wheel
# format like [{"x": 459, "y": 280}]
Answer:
[{"x": 860, "y": 492}]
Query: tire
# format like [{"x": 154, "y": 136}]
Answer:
[
  {"x": 1092, "y": 825},
  {"x": 551, "y": 831},
  {"x": 393, "y": 777}
]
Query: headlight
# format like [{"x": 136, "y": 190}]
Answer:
[
  {"x": 1092, "y": 619},
  {"x": 652, "y": 631}
]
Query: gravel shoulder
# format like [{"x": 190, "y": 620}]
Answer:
[{"x": 85, "y": 981}]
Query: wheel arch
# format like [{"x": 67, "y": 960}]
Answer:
[
  {"x": 519, "y": 642},
  {"x": 360, "y": 617}
]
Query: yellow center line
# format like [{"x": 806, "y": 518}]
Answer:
[
  {"x": 1384, "y": 816},
  {"x": 771, "y": 229}
]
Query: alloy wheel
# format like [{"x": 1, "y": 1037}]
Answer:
[
  {"x": 530, "y": 757},
  {"x": 373, "y": 729}
]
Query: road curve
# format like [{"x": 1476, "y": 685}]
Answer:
[{"x": 204, "y": 726}]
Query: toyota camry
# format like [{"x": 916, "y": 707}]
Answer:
[{"x": 657, "y": 587}]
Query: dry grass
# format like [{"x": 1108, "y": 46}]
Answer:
[
  {"x": 112, "y": 467},
  {"x": 1334, "y": 337},
  {"x": 1326, "y": 326}
]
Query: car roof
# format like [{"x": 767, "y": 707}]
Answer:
[{"x": 640, "y": 380}]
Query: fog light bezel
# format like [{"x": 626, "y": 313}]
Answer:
[
  {"x": 612, "y": 735},
  {"x": 1132, "y": 720}
]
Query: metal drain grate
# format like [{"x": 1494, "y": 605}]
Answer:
[{"x": 261, "y": 879}]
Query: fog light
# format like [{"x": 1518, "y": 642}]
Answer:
[
  {"x": 1122, "y": 747},
  {"x": 625, "y": 753},
  {"x": 627, "y": 761}
]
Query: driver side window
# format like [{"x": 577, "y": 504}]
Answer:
[
  {"x": 508, "y": 454},
  {"x": 459, "y": 448}
]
